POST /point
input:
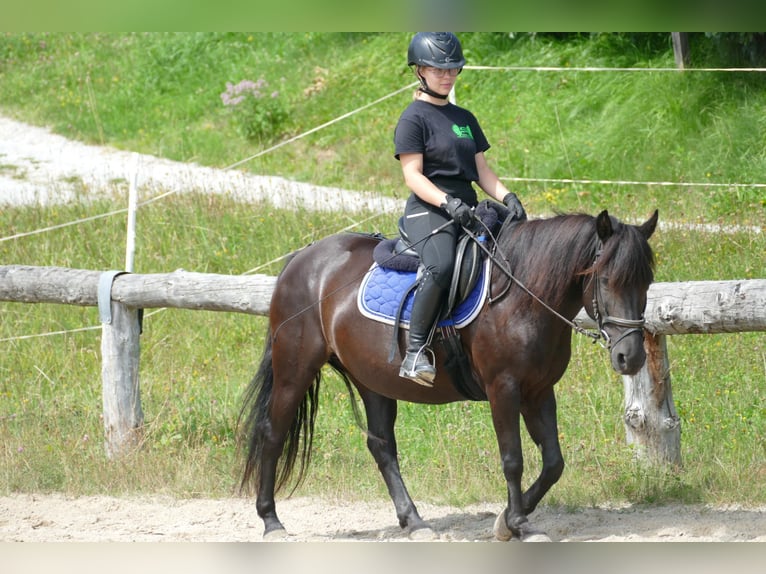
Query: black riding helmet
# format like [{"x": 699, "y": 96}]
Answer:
[{"x": 437, "y": 50}]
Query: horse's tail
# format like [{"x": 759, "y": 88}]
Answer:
[{"x": 254, "y": 422}]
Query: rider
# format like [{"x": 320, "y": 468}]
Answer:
[{"x": 441, "y": 150}]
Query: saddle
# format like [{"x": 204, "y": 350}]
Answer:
[
  {"x": 465, "y": 274},
  {"x": 397, "y": 253}
]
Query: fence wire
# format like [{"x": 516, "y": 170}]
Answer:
[{"x": 541, "y": 69}]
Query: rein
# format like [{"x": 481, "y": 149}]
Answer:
[{"x": 634, "y": 325}]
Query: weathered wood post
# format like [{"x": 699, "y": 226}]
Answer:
[
  {"x": 651, "y": 421},
  {"x": 123, "y": 416},
  {"x": 120, "y": 351},
  {"x": 652, "y": 424}
]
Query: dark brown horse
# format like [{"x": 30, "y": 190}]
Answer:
[{"x": 544, "y": 272}]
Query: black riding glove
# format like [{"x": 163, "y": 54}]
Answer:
[
  {"x": 458, "y": 210},
  {"x": 515, "y": 209}
]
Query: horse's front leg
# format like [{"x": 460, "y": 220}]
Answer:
[
  {"x": 505, "y": 404},
  {"x": 381, "y": 441},
  {"x": 543, "y": 428}
]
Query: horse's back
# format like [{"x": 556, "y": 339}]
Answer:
[
  {"x": 331, "y": 254},
  {"x": 333, "y": 265}
]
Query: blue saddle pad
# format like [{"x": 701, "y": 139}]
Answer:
[{"x": 382, "y": 290}]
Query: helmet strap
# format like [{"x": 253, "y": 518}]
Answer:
[{"x": 426, "y": 90}]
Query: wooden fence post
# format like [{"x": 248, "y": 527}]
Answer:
[
  {"x": 681, "y": 48},
  {"x": 652, "y": 424},
  {"x": 123, "y": 416}
]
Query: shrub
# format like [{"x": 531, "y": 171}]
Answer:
[{"x": 258, "y": 113}]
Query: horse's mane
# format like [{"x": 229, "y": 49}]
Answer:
[{"x": 544, "y": 252}]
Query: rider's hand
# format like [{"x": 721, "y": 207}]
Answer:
[
  {"x": 458, "y": 211},
  {"x": 515, "y": 209}
]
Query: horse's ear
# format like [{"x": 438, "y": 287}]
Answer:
[
  {"x": 648, "y": 227},
  {"x": 604, "y": 226}
]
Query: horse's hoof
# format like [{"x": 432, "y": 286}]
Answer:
[
  {"x": 504, "y": 534},
  {"x": 423, "y": 535},
  {"x": 536, "y": 537},
  {"x": 275, "y": 535},
  {"x": 500, "y": 529}
]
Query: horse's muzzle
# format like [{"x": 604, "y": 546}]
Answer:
[{"x": 628, "y": 354}]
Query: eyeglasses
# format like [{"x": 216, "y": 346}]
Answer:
[{"x": 441, "y": 72}]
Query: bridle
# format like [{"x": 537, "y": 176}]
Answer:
[{"x": 602, "y": 317}]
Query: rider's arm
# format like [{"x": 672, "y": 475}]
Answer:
[
  {"x": 412, "y": 168},
  {"x": 488, "y": 180}
]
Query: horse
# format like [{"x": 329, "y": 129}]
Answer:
[{"x": 519, "y": 345}]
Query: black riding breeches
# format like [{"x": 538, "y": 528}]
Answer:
[{"x": 437, "y": 252}]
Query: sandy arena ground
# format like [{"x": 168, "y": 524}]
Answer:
[{"x": 49, "y": 518}]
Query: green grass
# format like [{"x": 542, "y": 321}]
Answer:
[{"x": 160, "y": 94}]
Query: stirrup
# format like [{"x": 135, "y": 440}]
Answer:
[{"x": 416, "y": 367}]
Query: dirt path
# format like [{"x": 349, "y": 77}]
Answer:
[
  {"x": 38, "y": 166},
  {"x": 55, "y": 518}
]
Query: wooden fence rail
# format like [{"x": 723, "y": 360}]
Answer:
[{"x": 651, "y": 421}]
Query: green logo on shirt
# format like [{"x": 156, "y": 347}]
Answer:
[{"x": 464, "y": 132}]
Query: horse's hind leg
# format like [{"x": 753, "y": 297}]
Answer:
[
  {"x": 273, "y": 440},
  {"x": 381, "y": 441},
  {"x": 284, "y": 421}
]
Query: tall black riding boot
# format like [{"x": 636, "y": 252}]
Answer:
[{"x": 425, "y": 308}]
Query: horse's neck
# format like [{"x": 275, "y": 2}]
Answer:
[{"x": 547, "y": 266}]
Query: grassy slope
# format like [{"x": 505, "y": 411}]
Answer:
[{"x": 160, "y": 93}]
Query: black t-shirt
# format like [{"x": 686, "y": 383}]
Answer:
[{"x": 449, "y": 137}]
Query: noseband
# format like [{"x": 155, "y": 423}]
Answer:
[{"x": 602, "y": 317}]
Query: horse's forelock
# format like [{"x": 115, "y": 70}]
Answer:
[{"x": 628, "y": 258}]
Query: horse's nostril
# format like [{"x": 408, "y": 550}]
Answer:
[
  {"x": 627, "y": 364},
  {"x": 622, "y": 365}
]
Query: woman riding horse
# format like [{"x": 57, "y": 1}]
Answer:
[{"x": 441, "y": 150}]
